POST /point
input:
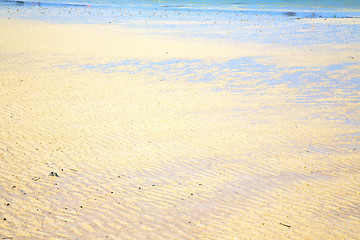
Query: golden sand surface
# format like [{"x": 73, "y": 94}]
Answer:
[{"x": 142, "y": 158}]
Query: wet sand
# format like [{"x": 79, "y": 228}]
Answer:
[{"x": 144, "y": 153}]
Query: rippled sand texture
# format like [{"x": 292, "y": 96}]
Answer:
[{"x": 145, "y": 152}]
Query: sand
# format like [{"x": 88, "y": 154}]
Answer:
[{"x": 142, "y": 153}]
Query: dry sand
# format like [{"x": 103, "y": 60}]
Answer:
[{"x": 141, "y": 158}]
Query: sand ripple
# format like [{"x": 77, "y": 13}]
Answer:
[{"x": 142, "y": 158}]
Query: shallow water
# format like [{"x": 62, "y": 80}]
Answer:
[
  {"x": 265, "y": 5},
  {"x": 190, "y": 10},
  {"x": 265, "y": 26}
]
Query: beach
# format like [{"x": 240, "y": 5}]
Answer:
[{"x": 155, "y": 134}]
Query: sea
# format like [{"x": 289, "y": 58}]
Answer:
[
  {"x": 290, "y": 8},
  {"x": 315, "y": 6}
]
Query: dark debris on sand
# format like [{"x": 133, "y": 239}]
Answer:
[{"x": 53, "y": 174}]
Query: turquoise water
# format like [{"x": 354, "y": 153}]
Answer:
[
  {"x": 347, "y": 8},
  {"x": 307, "y": 5},
  {"x": 334, "y": 5}
]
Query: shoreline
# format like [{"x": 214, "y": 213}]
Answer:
[
  {"x": 194, "y": 7},
  {"x": 83, "y": 12},
  {"x": 285, "y": 29}
]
